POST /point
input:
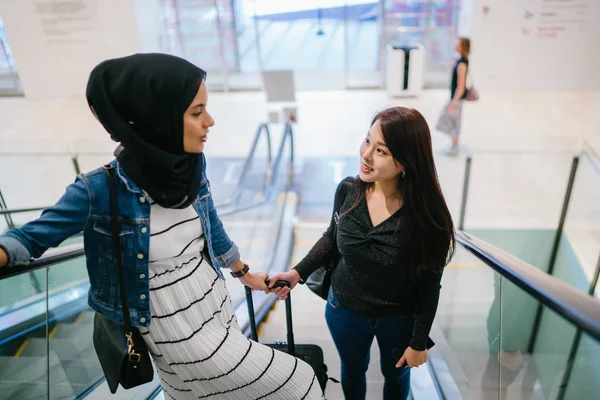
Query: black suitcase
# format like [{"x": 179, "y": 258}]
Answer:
[{"x": 309, "y": 353}]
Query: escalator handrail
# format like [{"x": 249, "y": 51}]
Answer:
[
  {"x": 68, "y": 253},
  {"x": 11, "y": 211},
  {"x": 570, "y": 303},
  {"x": 48, "y": 259},
  {"x": 262, "y": 128},
  {"x": 287, "y": 137}
]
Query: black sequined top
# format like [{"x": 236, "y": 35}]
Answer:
[{"x": 368, "y": 279}]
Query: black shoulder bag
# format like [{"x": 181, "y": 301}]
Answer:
[
  {"x": 120, "y": 348},
  {"x": 319, "y": 281}
]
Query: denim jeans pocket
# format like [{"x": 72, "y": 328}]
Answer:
[{"x": 332, "y": 300}]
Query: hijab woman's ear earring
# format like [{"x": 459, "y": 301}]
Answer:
[{"x": 403, "y": 174}]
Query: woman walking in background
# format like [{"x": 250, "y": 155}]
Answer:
[{"x": 451, "y": 117}]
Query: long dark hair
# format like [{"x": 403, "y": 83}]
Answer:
[{"x": 429, "y": 233}]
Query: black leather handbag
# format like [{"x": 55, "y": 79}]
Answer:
[
  {"x": 120, "y": 348},
  {"x": 319, "y": 281}
]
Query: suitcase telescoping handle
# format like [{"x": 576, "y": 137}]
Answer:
[{"x": 288, "y": 316}]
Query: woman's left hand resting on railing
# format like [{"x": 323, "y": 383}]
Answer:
[{"x": 3, "y": 257}]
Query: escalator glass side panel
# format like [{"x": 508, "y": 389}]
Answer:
[
  {"x": 542, "y": 371},
  {"x": 583, "y": 382},
  {"x": 466, "y": 325},
  {"x": 490, "y": 341},
  {"x": 26, "y": 366},
  {"x": 26, "y": 289},
  {"x": 579, "y": 250},
  {"x": 70, "y": 339}
]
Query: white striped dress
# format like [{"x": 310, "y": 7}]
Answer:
[{"x": 194, "y": 338}]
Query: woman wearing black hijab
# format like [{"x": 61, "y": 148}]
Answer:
[{"x": 173, "y": 242}]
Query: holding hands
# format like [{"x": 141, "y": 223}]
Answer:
[{"x": 261, "y": 281}]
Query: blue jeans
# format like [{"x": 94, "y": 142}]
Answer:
[{"x": 353, "y": 335}]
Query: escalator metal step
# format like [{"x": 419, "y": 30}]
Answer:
[
  {"x": 82, "y": 372},
  {"x": 78, "y": 332},
  {"x": 64, "y": 348},
  {"x": 31, "y": 369},
  {"x": 36, "y": 391},
  {"x": 77, "y": 356},
  {"x": 26, "y": 377},
  {"x": 86, "y": 318}
]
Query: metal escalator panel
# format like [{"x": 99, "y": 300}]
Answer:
[
  {"x": 260, "y": 231},
  {"x": 28, "y": 378},
  {"x": 242, "y": 181},
  {"x": 467, "y": 327}
]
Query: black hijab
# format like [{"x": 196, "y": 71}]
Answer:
[{"x": 140, "y": 100}]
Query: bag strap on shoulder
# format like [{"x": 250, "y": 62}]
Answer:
[
  {"x": 341, "y": 195},
  {"x": 116, "y": 238}
]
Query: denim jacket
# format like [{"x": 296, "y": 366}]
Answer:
[{"x": 85, "y": 207}]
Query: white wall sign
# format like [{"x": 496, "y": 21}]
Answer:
[{"x": 536, "y": 44}]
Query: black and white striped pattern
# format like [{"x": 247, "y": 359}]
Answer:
[{"x": 197, "y": 346}]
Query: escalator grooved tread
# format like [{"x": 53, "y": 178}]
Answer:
[{"x": 31, "y": 369}]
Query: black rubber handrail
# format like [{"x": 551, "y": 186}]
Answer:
[
  {"x": 270, "y": 189},
  {"x": 248, "y": 163},
  {"x": 49, "y": 258},
  {"x": 11, "y": 211},
  {"x": 581, "y": 309}
]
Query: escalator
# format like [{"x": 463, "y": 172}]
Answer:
[
  {"x": 46, "y": 328},
  {"x": 505, "y": 328}
]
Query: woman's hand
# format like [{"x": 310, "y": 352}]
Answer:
[
  {"x": 3, "y": 257},
  {"x": 255, "y": 281},
  {"x": 412, "y": 358},
  {"x": 293, "y": 277},
  {"x": 512, "y": 360},
  {"x": 452, "y": 106}
]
